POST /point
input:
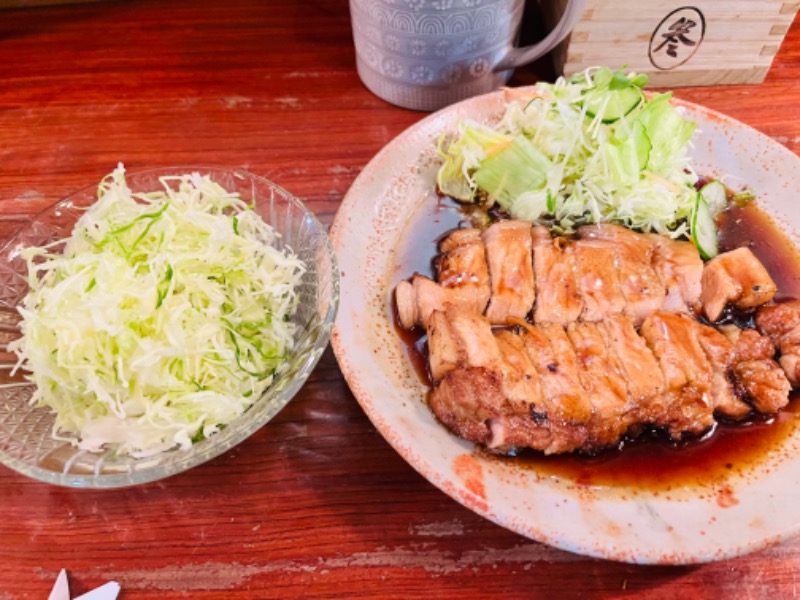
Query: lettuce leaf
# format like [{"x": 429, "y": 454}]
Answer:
[
  {"x": 586, "y": 148},
  {"x": 464, "y": 155},
  {"x": 517, "y": 168}
]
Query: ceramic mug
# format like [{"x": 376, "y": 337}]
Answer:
[{"x": 426, "y": 54}]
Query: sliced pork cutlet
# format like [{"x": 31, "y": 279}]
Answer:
[
  {"x": 469, "y": 377},
  {"x": 468, "y": 400},
  {"x": 642, "y": 289},
  {"x": 630, "y": 355},
  {"x": 604, "y": 385},
  {"x": 528, "y": 419},
  {"x": 463, "y": 281},
  {"x": 490, "y": 395},
  {"x": 564, "y": 401},
  {"x": 462, "y": 267},
  {"x": 508, "y": 254},
  {"x": 459, "y": 337},
  {"x": 557, "y": 297},
  {"x": 736, "y": 277},
  {"x": 521, "y": 380},
  {"x": 680, "y": 269},
  {"x": 721, "y": 354},
  {"x": 686, "y": 405},
  {"x": 465, "y": 399},
  {"x": 781, "y": 322},
  {"x": 418, "y": 298},
  {"x": 598, "y": 280}
]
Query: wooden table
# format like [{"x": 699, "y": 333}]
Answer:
[{"x": 316, "y": 504}]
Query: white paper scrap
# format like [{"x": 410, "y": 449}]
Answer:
[
  {"x": 109, "y": 591},
  {"x": 60, "y": 591}
]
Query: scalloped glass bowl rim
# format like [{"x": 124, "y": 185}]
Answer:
[{"x": 243, "y": 427}]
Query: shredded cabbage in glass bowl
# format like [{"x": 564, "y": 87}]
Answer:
[{"x": 157, "y": 321}]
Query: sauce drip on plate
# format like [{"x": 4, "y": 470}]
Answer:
[
  {"x": 653, "y": 462},
  {"x": 750, "y": 226}
]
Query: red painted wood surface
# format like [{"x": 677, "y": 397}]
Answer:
[{"x": 316, "y": 504}]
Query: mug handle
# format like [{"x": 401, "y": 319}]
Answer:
[{"x": 517, "y": 57}]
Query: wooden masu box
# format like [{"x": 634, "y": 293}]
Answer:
[{"x": 676, "y": 42}]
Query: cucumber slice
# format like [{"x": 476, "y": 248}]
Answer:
[
  {"x": 613, "y": 95},
  {"x": 715, "y": 196},
  {"x": 612, "y": 105},
  {"x": 704, "y": 229}
]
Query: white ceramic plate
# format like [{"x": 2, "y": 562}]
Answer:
[{"x": 705, "y": 521}]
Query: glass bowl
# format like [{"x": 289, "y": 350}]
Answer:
[{"x": 26, "y": 441}]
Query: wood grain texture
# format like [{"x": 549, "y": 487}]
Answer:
[
  {"x": 316, "y": 504},
  {"x": 739, "y": 42}
]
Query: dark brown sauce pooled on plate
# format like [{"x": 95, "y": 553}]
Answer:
[
  {"x": 650, "y": 461},
  {"x": 750, "y": 226},
  {"x": 419, "y": 248},
  {"x": 655, "y": 463}
]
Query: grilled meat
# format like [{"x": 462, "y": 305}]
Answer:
[
  {"x": 561, "y": 417},
  {"x": 598, "y": 280},
  {"x": 568, "y": 399},
  {"x": 614, "y": 347},
  {"x": 748, "y": 344},
  {"x": 765, "y": 383},
  {"x": 488, "y": 389},
  {"x": 463, "y": 280},
  {"x": 508, "y": 254},
  {"x": 471, "y": 403},
  {"x": 458, "y": 337},
  {"x": 462, "y": 266},
  {"x": 641, "y": 288},
  {"x": 604, "y": 384},
  {"x": 721, "y": 353},
  {"x": 755, "y": 369},
  {"x": 778, "y": 319},
  {"x": 680, "y": 269},
  {"x": 559, "y": 300},
  {"x": 736, "y": 277},
  {"x": 586, "y": 386},
  {"x": 685, "y": 406},
  {"x": 512, "y": 269},
  {"x": 416, "y": 300},
  {"x": 781, "y": 322},
  {"x": 629, "y": 352}
]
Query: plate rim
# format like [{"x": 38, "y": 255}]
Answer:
[{"x": 337, "y": 233}]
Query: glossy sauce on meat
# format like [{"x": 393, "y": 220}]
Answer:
[{"x": 650, "y": 461}]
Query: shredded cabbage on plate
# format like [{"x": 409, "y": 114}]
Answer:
[
  {"x": 161, "y": 319},
  {"x": 592, "y": 147}
]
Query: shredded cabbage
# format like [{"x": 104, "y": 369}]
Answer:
[
  {"x": 161, "y": 319},
  {"x": 589, "y": 148}
]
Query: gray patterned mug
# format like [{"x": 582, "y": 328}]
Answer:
[{"x": 426, "y": 54}]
